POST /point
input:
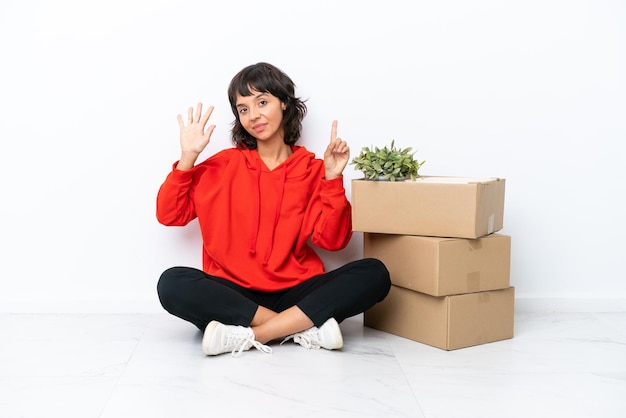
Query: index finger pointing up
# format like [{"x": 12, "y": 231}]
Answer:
[{"x": 333, "y": 131}]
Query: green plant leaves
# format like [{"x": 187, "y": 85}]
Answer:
[{"x": 389, "y": 163}]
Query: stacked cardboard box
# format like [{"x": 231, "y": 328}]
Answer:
[{"x": 450, "y": 269}]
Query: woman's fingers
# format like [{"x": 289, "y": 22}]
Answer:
[
  {"x": 333, "y": 131},
  {"x": 207, "y": 115},
  {"x": 198, "y": 118},
  {"x": 198, "y": 112}
]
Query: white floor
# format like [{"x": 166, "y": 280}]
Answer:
[{"x": 116, "y": 366}]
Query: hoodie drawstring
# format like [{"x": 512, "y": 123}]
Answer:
[
  {"x": 256, "y": 213},
  {"x": 279, "y": 204},
  {"x": 256, "y": 216}
]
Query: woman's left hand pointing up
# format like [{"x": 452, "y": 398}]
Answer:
[{"x": 336, "y": 155}]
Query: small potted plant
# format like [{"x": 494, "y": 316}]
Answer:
[{"x": 387, "y": 163}]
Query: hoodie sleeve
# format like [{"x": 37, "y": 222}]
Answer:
[
  {"x": 174, "y": 204},
  {"x": 333, "y": 228}
]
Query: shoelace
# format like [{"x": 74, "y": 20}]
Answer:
[
  {"x": 243, "y": 342},
  {"x": 307, "y": 339}
]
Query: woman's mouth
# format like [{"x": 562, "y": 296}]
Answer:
[{"x": 259, "y": 127}]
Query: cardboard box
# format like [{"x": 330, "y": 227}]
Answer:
[
  {"x": 443, "y": 266},
  {"x": 454, "y": 207},
  {"x": 447, "y": 322}
]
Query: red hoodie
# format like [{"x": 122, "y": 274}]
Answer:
[{"x": 255, "y": 223}]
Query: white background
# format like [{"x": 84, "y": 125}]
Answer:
[{"x": 532, "y": 91}]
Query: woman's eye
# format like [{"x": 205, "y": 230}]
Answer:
[
  {"x": 262, "y": 102},
  {"x": 242, "y": 110}
]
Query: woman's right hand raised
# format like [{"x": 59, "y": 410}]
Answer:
[{"x": 194, "y": 136}]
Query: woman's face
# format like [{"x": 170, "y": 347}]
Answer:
[{"x": 261, "y": 115}]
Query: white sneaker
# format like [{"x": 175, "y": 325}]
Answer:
[
  {"x": 219, "y": 338},
  {"x": 327, "y": 336}
]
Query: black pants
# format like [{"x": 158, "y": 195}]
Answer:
[{"x": 199, "y": 298}]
